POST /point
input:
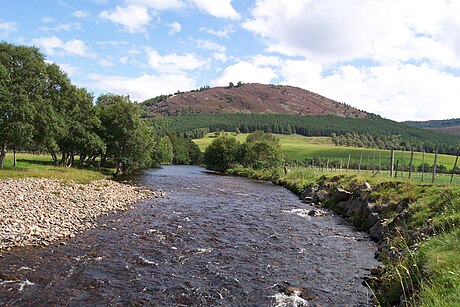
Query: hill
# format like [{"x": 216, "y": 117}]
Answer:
[
  {"x": 250, "y": 98},
  {"x": 451, "y": 126}
]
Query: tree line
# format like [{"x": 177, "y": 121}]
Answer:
[
  {"x": 41, "y": 110},
  {"x": 373, "y": 131}
]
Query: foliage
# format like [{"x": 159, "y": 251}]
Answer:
[
  {"x": 222, "y": 153},
  {"x": 261, "y": 151},
  {"x": 385, "y": 133},
  {"x": 164, "y": 153},
  {"x": 129, "y": 140}
]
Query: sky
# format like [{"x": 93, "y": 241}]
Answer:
[{"x": 396, "y": 58}]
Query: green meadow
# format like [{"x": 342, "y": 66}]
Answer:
[
  {"x": 41, "y": 166},
  {"x": 300, "y": 148}
]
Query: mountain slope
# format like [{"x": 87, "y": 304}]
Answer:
[
  {"x": 252, "y": 98},
  {"x": 451, "y": 126}
]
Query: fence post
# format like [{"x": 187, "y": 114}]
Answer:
[
  {"x": 392, "y": 168},
  {"x": 423, "y": 163},
  {"x": 434, "y": 166},
  {"x": 410, "y": 163},
  {"x": 402, "y": 163},
  {"x": 348, "y": 163},
  {"x": 396, "y": 171},
  {"x": 360, "y": 160},
  {"x": 455, "y": 165}
]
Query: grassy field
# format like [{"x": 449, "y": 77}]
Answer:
[
  {"x": 299, "y": 148},
  {"x": 41, "y": 166}
]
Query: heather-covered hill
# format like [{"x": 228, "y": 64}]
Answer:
[
  {"x": 451, "y": 126},
  {"x": 251, "y": 98}
]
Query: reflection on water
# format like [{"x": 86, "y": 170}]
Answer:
[{"x": 215, "y": 241}]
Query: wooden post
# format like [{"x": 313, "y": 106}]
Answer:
[
  {"x": 396, "y": 170},
  {"x": 455, "y": 165},
  {"x": 423, "y": 163},
  {"x": 434, "y": 166},
  {"x": 392, "y": 163},
  {"x": 368, "y": 162},
  {"x": 341, "y": 164},
  {"x": 373, "y": 163},
  {"x": 410, "y": 163},
  {"x": 348, "y": 163},
  {"x": 402, "y": 163},
  {"x": 360, "y": 160},
  {"x": 380, "y": 161},
  {"x": 327, "y": 164}
]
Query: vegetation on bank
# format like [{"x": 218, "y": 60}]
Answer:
[{"x": 373, "y": 131}]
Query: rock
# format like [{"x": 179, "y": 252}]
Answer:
[
  {"x": 321, "y": 195},
  {"x": 9, "y": 277},
  {"x": 375, "y": 208},
  {"x": 307, "y": 200},
  {"x": 365, "y": 187},
  {"x": 371, "y": 219},
  {"x": 341, "y": 195},
  {"x": 317, "y": 212},
  {"x": 308, "y": 192},
  {"x": 378, "y": 230}
]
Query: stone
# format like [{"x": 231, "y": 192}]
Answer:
[
  {"x": 378, "y": 230},
  {"x": 341, "y": 195},
  {"x": 321, "y": 195},
  {"x": 308, "y": 192}
]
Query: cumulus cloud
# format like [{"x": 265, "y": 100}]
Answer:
[
  {"x": 80, "y": 14},
  {"x": 399, "y": 91},
  {"x": 134, "y": 18},
  {"x": 174, "y": 27},
  {"x": 217, "y": 8},
  {"x": 157, "y": 4},
  {"x": 334, "y": 30},
  {"x": 143, "y": 87},
  {"x": 225, "y": 32},
  {"x": 52, "y": 45},
  {"x": 246, "y": 72},
  {"x": 173, "y": 62},
  {"x": 7, "y": 27}
]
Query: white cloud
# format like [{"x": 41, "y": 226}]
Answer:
[
  {"x": 217, "y": 8},
  {"x": 62, "y": 27},
  {"x": 173, "y": 62},
  {"x": 52, "y": 43},
  {"x": 209, "y": 45},
  {"x": 219, "y": 33},
  {"x": 143, "y": 87},
  {"x": 246, "y": 72},
  {"x": 48, "y": 19},
  {"x": 7, "y": 27},
  {"x": 384, "y": 30},
  {"x": 105, "y": 63},
  {"x": 134, "y": 18},
  {"x": 174, "y": 27},
  {"x": 80, "y": 14},
  {"x": 399, "y": 92},
  {"x": 69, "y": 69},
  {"x": 157, "y": 4}
]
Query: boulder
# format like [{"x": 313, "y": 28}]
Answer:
[
  {"x": 371, "y": 219},
  {"x": 341, "y": 195},
  {"x": 321, "y": 195},
  {"x": 378, "y": 230},
  {"x": 308, "y": 192}
]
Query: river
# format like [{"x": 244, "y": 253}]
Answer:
[{"x": 214, "y": 241}]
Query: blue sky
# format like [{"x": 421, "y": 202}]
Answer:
[{"x": 399, "y": 59}]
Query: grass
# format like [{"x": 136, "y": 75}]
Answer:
[
  {"x": 300, "y": 148},
  {"x": 41, "y": 166}
]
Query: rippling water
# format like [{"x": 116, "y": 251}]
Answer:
[{"x": 215, "y": 241}]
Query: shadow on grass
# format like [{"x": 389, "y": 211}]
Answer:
[{"x": 49, "y": 163}]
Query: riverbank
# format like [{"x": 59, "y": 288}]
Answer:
[
  {"x": 415, "y": 224},
  {"x": 39, "y": 211}
]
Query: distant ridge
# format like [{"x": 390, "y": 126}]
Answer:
[
  {"x": 451, "y": 126},
  {"x": 251, "y": 98}
]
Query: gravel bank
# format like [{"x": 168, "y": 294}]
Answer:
[{"x": 38, "y": 211}]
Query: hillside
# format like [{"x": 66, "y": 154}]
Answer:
[
  {"x": 251, "y": 98},
  {"x": 451, "y": 126}
]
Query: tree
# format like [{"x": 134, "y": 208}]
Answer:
[
  {"x": 128, "y": 139},
  {"x": 22, "y": 73},
  {"x": 262, "y": 151},
  {"x": 222, "y": 153},
  {"x": 164, "y": 153}
]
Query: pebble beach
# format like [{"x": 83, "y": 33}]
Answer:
[{"x": 39, "y": 211}]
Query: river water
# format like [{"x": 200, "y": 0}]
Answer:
[{"x": 215, "y": 241}]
